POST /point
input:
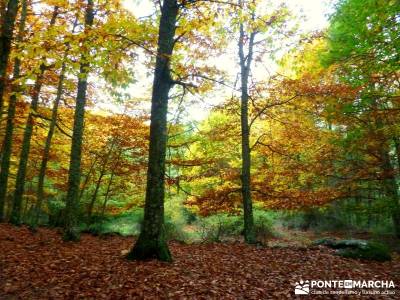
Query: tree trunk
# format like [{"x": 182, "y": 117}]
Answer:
[
  {"x": 26, "y": 142},
  {"x": 395, "y": 187},
  {"x": 99, "y": 180},
  {"x": 106, "y": 197},
  {"x": 397, "y": 151},
  {"x": 6, "y": 37},
  {"x": 391, "y": 189},
  {"x": 3, "y": 10},
  {"x": 151, "y": 242},
  {"x": 87, "y": 177},
  {"x": 71, "y": 232},
  {"x": 245, "y": 64},
  {"x": 390, "y": 186},
  {"x": 46, "y": 152},
  {"x": 7, "y": 145},
  {"x": 103, "y": 210},
  {"x": 94, "y": 196},
  {"x": 25, "y": 148}
]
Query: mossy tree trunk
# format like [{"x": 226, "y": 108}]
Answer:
[
  {"x": 245, "y": 65},
  {"x": 7, "y": 144},
  {"x": 9, "y": 15},
  {"x": 71, "y": 232},
  {"x": 151, "y": 242}
]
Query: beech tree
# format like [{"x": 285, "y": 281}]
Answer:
[
  {"x": 151, "y": 242},
  {"x": 315, "y": 134},
  {"x": 251, "y": 24},
  {"x": 245, "y": 61},
  {"x": 74, "y": 174}
]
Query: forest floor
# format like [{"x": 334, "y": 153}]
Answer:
[{"x": 42, "y": 266}]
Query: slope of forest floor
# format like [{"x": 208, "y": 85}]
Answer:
[{"x": 42, "y": 266}]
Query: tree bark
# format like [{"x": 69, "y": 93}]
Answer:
[
  {"x": 6, "y": 37},
  {"x": 151, "y": 242},
  {"x": 94, "y": 196},
  {"x": 71, "y": 232},
  {"x": 3, "y": 10},
  {"x": 103, "y": 210},
  {"x": 245, "y": 64},
  {"x": 395, "y": 192},
  {"x": 106, "y": 196},
  {"x": 390, "y": 186},
  {"x": 7, "y": 145},
  {"x": 87, "y": 178},
  {"x": 99, "y": 180},
  {"x": 24, "y": 155},
  {"x": 26, "y": 142},
  {"x": 46, "y": 152},
  {"x": 391, "y": 189}
]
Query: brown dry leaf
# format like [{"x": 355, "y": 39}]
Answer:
[{"x": 42, "y": 266}]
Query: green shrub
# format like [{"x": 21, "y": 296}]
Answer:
[
  {"x": 263, "y": 226},
  {"x": 371, "y": 251},
  {"x": 126, "y": 224},
  {"x": 94, "y": 229},
  {"x": 191, "y": 218},
  {"x": 56, "y": 212},
  {"x": 174, "y": 231},
  {"x": 317, "y": 219},
  {"x": 219, "y": 227},
  {"x": 359, "y": 249}
]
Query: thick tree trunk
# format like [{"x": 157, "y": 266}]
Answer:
[
  {"x": 7, "y": 145},
  {"x": 245, "y": 64},
  {"x": 6, "y": 37},
  {"x": 71, "y": 232},
  {"x": 151, "y": 242},
  {"x": 46, "y": 152}
]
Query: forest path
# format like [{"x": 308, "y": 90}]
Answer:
[{"x": 42, "y": 266}]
